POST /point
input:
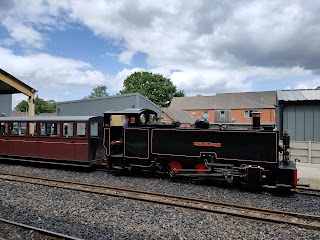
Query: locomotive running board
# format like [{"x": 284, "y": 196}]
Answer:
[{"x": 198, "y": 175}]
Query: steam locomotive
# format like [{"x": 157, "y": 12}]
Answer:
[{"x": 134, "y": 140}]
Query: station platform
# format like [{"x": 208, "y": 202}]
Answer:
[{"x": 309, "y": 174}]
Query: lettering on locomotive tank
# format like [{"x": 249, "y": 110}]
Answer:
[{"x": 206, "y": 144}]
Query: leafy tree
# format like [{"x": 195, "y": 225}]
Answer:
[
  {"x": 41, "y": 106},
  {"x": 99, "y": 91},
  {"x": 22, "y": 106},
  {"x": 155, "y": 87}
]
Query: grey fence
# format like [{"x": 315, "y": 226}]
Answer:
[{"x": 305, "y": 151}]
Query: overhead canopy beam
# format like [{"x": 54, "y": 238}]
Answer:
[{"x": 10, "y": 85}]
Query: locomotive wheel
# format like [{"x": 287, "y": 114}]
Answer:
[
  {"x": 201, "y": 168},
  {"x": 175, "y": 166}
]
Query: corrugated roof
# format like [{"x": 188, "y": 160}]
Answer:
[
  {"x": 189, "y": 103},
  {"x": 226, "y": 101},
  {"x": 245, "y": 100},
  {"x": 298, "y": 95},
  {"x": 178, "y": 115}
]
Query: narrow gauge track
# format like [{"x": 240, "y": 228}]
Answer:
[
  {"x": 34, "y": 232},
  {"x": 243, "y": 212},
  {"x": 308, "y": 191},
  {"x": 299, "y": 190}
]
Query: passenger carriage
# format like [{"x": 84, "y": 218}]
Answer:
[{"x": 73, "y": 140}]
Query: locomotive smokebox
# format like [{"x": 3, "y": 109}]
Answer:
[{"x": 256, "y": 120}]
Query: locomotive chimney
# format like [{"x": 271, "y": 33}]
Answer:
[{"x": 256, "y": 120}]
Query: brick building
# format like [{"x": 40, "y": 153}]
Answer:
[{"x": 230, "y": 108}]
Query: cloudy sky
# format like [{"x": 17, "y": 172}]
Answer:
[{"x": 65, "y": 48}]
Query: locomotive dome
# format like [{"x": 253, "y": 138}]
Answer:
[{"x": 202, "y": 122}]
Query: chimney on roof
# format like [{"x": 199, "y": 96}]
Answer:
[{"x": 256, "y": 120}]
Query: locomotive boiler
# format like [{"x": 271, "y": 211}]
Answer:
[{"x": 134, "y": 140}]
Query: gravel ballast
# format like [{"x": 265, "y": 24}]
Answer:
[{"x": 93, "y": 216}]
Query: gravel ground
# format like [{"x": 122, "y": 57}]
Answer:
[
  {"x": 295, "y": 203},
  {"x": 92, "y": 216},
  {"x": 8, "y": 231}
]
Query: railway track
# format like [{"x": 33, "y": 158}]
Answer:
[
  {"x": 243, "y": 212},
  {"x": 308, "y": 191},
  {"x": 10, "y": 228}
]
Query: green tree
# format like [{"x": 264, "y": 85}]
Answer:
[
  {"x": 155, "y": 87},
  {"x": 41, "y": 106},
  {"x": 99, "y": 91},
  {"x": 22, "y": 106}
]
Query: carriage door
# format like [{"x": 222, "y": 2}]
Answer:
[
  {"x": 68, "y": 140},
  {"x": 81, "y": 145}
]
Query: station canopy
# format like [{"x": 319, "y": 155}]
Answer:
[{"x": 11, "y": 85}]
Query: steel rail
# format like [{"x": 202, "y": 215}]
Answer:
[
  {"x": 308, "y": 191},
  {"x": 121, "y": 192},
  {"x": 44, "y": 232}
]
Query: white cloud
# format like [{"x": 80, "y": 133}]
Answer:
[
  {"x": 203, "y": 46},
  {"x": 25, "y": 35},
  {"x": 52, "y": 75},
  {"x": 126, "y": 57},
  {"x": 309, "y": 84}
]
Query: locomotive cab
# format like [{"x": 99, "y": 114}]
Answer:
[{"x": 122, "y": 131}]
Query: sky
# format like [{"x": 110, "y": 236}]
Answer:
[{"x": 65, "y": 48}]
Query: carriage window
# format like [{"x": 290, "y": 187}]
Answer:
[
  {"x": 33, "y": 129},
  {"x": 50, "y": 129},
  {"x": 3, "y": 128},
  {"x": 18, "y": 128},
  {"x": 67, "y": 129},
  {"x": 94, "y": 129},
  {"x": 81, "y": 129}
]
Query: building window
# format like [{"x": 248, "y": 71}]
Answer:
[
  {"x": 248, "y": 114},
  {"x": 193, "y": 113},
  {"x": 206, "y": 113},
  {"x": 222, "y": 114}
]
